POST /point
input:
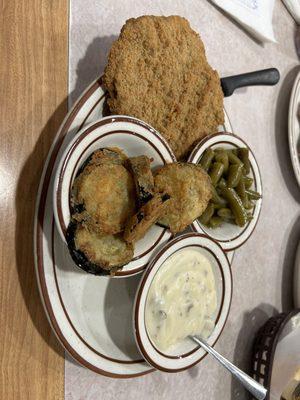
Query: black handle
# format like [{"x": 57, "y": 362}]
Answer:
[{"x": 268, "y": 77}]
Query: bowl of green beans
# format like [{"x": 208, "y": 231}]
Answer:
[{"x": 234, "y": 209}]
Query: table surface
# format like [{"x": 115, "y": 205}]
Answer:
[{"x": 36, "y": 70}]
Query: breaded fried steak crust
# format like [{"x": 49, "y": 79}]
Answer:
[
  {"x": 157, "y": 71},
  {"x": 189, "y": 187}
]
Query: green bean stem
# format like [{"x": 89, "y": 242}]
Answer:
[{"x": 253, "y": 195}]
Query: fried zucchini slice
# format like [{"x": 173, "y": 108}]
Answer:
[
  {"x": 143, "y": 178},
  {"x": 109, "y": 155},
  {"x": 97, "y": 253},
  {"x": 189, "y": 187},
  {"x": 104, "y": 197},
  {"x": 147, "y": 215}
]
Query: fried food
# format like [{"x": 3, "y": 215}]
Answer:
[
  {"x": 106, "y": 195},
  {"x": 143, "y": 177},
  {"x": 95, "y": 252},
  {"x": 157, "y": 71},
  {"x": 189, "y": 187},
  {"x": 147, "y": 215},
  {"x": 108, "y": 155}
]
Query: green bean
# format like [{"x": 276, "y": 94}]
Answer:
[
  {"x": 233, "y": 159},
  {"x": 234, "y": 175},
  {"x": 206, "y": 159},
  {"x": 215, "y": 222},
  {"x": 248, "y": 182},
  {"x": 253, "y": 195},
  {"x": 208, "y": 213},
  {"x": 222, "y": 157},
  {"x": 222, "y": 183},
  {"x": 243, "y": 154},
  {"x": 236, "y": 206},
  {"x": 225, "y": 213},
  {"x": 216, "y": 198},
  {"x": 249, "y": 216},
  {"x": 250, "y": 205},
  {"x": 216, "y": 172},
  {"x": 241, "y": 191},
  {"x": 217, "y": 206},
  {"x": 234, "y": 151}
]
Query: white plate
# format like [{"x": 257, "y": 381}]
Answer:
[
  {"x": 294, "y": 127},
  {"x": 230, "y": 236},
  {"x": 135, "y": 138},
  {"x": 187, "y": 353},
  {"x": 66, "y": 291},
  {"x": 297, "y": 278}
]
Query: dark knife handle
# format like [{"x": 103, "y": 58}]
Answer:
[{"x": 267, "y": 77}]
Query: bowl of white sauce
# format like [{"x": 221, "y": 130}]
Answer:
[{"x": 186, "y": 290}]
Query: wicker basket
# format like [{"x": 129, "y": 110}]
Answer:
[{"x": 264, "y": 348}]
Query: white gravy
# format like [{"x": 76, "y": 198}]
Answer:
[{"x": 182, "y": 299}]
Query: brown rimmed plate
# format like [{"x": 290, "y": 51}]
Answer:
[
  {"x": 186, "y": 354},
  {"x": 96, "y": 339}
]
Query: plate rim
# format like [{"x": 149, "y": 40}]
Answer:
[
  {"x": 41, "y": 200},
  {"x": 292, "y": 113}
]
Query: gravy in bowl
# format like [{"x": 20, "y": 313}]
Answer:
[{"x": 182, "y": 299}]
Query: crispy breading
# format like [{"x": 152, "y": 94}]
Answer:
[
  {"x": 143, "y": 177},
  {"x": 157, "y": 71},
  {"x": 102, "y": 251},
  {"x": 109, "y": 155},
  {"x": 106, "y": 194},
  {"x": 147, "y": 215},
  {"x": 189, "y": 187}
]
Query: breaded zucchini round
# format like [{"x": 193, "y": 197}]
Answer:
[
  {"x": 138, "y": 225},
  {"x": 97, "y": 253},
  {"x": 106, "y": 194},
  {"x": 144, "y": 182},
  {"x": 108, "y": 155},
  {"x": 189, "y": 187}
]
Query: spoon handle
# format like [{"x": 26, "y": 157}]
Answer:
[{"x": 255, "y": 388}]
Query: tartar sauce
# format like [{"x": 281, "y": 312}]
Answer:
[{"x": 182, "y": 299}]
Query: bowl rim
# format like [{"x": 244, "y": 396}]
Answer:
[
  {"x": 76, "y": 141},
  {"x": 142, "y": 292},
  {"x": 63, "y": 167},
  {"x": 229, "y": 244}
]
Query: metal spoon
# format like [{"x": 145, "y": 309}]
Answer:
[{"x": 255, "y": 388}]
